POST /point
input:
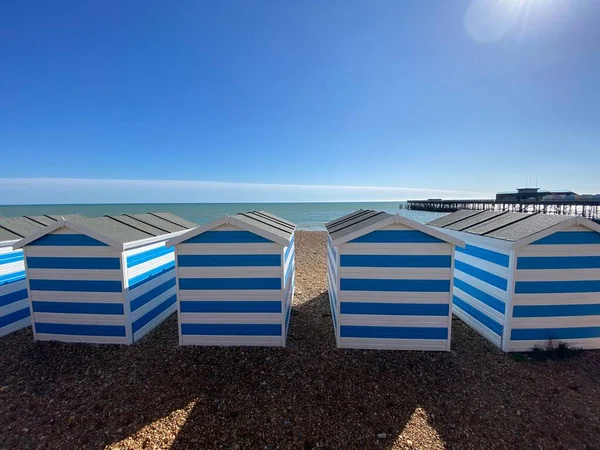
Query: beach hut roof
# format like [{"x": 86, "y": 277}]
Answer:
[
  {"x": 517, "y": 229},
  {"x": 260, "y": 223},
  {"x": 120, "y": 231},
  {"x": 15, "y": 228},
  {"x": 364, "y": 221}
]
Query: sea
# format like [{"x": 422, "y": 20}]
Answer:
[{"x": 307, "y": 216}]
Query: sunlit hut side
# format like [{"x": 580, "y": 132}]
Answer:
[
  {"x": 14, "y": 305},
  {"x": 101, "y": 280},
  {"x": 235, "y": 279},
  {"x": 390, "y": 282},
  {"x": 526, "y": 280}
]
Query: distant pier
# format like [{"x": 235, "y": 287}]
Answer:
[{"x": 585, "y": 208}]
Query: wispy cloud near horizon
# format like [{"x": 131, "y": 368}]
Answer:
[{"x": 14, "y": 191}]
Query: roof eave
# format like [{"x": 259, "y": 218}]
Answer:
[
  {"x": 430, "y": 230},
  {"x": 366, "y": 230},
  {"x": 196, "y": 231},
  {"x": 260, "y": 232}
]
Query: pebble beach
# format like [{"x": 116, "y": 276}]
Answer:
[{"x": 157, "y": 395}]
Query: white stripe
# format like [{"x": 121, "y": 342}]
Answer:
[
  {"x": 237, "y": 318},
  {"x": 560, "y": 250},
  {"x": 263, "y": 341},
  {"x": 230, "y": 272},
  {"x": 583, "y": 298},
  {"x": 394, "y": 344},
  {"x": 12, "y": 307},
  {"x": 135, "y": 315},
  {"x": 481, "y": 285},
  {"x": 12, "y": 327},
  {"x": 7, "y": 249},
  {"x": 80, "y": 319},
  {"x": 140, "y": 269},
  {"x": 77, "y": 297},
  {"x": 395, "y": 273},
  {"x": 138, "y": 250},
  {"x": 477, "y": 326},
  {"x": 139, "y": 334},
  {"x": 482, "y": 264},
  {"x": 393, "y": 297},
  {"x": 523, "y": 346},
  {"x": 13, "y": 267},
  {"x": 395, "y": 249},
  {"x": 15, "y": 286},
  {"x": 57, "y": 252},
  {"x": 229, "y": 249},
  {"x": 557, "y": 275},
  {"x": 482, "y": 307},
  {"x": 148, "y": 286},
  {"x": 72, "y": 274},
  {"x": 394, "y": 321},
  {"x": 555, "y": 322},
  {"x": 84, "y": 339},
  {"x": 238, "y": 295}
]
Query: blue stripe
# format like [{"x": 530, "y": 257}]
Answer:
[
  {"x": 230, "y": 307},
  {"x": 544, "y": 334},
  {"x": 148, "y": 255},
  {"x": 80, "y": 330},
  {"x": 140, "y": 301},
  {"x": 483, "y": 297},
  {"x": 150, "y": 275},
  {"x": 481, "y": 274},
  {"x": 229, "y": 283},
  {"x": 12, "y": 277},
  {"x": 358, "y": 284},
  {"x": 558, "y": 262},
  {"x": 487, "y": 255},
  {"x": 228, "y": 260},
  {"x": 39, "y": 262},
  {"x": 556, "y": 310},
  {"x": 11, "y": 257},
  {"x": 289, "y": 247},
  {"x": 357, "y": 331},
  {"x": 556, "y": 287},
  {"x": 154, "y": 313},
  {"x": 395, "y": 261},
  {"x": 68, "y": 240},
  {"x": 226, "y": 237},
  {"x": 78, "y": 308},
  {"x": 395, "y": 309},
  {"x": 13, "y": 297},
  {"x": 75, "y": 285},
  {"x": 570, "y": 237},
  {"x": 14, "y": 317},
  {"x": 482, "y": 318},
  {"x": 397, "y": 236},
  {"x": 224, "y": 329}
]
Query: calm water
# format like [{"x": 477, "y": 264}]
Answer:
[{"x": 308, "y": 216}]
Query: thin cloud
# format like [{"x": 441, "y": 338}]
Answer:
[{"x": 87, "y": 190}]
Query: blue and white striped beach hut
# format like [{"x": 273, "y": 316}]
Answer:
[
  {"x": 524, "y": 280},
  {"x": 14, "y": 305},
  {"x": 235, "y": 279},
  {"x": 101, "y": 280},
  {"x": 390, "y": 282}
]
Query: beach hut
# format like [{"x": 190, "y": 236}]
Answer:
[
  {"x": 390, "y": 282},
  {"x": 524, "y": 280},
  {"x": 14, "y": 305},
  {"x": 101, "y": 280},
  {"x": 235, "y": 281}
]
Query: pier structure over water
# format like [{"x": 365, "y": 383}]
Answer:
[{"x": 589, "y": 208}]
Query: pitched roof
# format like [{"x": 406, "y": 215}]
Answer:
[
  {"x": 14, "y": 228},
  {"x": 507, "y": 226},
  {"x": 261, "y": 223}
]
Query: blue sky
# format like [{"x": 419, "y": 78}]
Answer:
[{"x": 460, "y": 97}]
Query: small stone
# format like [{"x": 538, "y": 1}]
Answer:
[
  {"x": 263, "y": 383},
  {"x": 408, "y": 442},
  {"x": 236, "y": 447},
  {"x": 518, "y": 412},
  {"x": 381, "y": 436},
  {"x": 25, "y": 430}
]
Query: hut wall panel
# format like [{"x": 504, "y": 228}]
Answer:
[
  {"x": 289, "y": 278},
  {"x": 234, "y": 288},
  {"x": 151, "y": 291},
  {"x": 480, "y": 292},
  {"x": 76, "y": 295},
  {"x": 557, "y": 291},
  {"x": 332, "y": 285},
  {"x": 14, "y": 304},
  {"x": 400, "y": 266}
]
